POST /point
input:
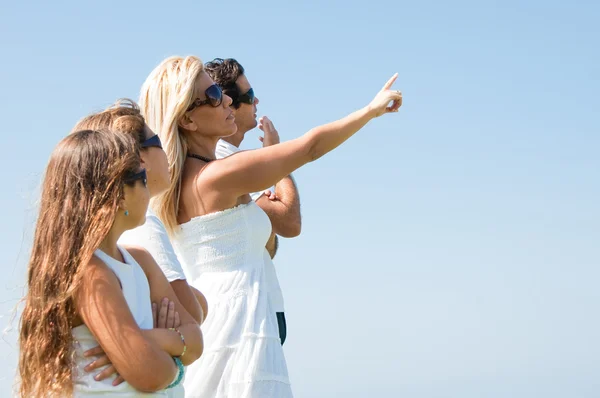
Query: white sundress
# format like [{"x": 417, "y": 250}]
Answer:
[{"x": 223, "y": 255}]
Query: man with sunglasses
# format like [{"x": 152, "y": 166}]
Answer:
[{"x": 282, "y": 204}]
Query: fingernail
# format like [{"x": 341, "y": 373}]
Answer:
[
  {"x": 97, "y": 377},
  {"x": 172, "y": 304}
]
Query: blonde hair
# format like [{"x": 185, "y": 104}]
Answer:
[{"x": 165, "y": 97}]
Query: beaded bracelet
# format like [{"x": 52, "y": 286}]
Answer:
[
  {"x": 182, "y": 340},
  {"x": 179, "y": 375}
]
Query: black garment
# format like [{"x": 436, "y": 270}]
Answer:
[{"x": 282, "y": 326}]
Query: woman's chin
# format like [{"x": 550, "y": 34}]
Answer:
[{"x": 231, "y": 130}]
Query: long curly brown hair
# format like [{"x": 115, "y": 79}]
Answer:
[{"x": 81, "y": 193}]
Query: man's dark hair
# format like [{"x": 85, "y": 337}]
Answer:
[{"x": 225, "y": 72}]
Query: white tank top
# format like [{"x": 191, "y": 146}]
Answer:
[{"x": 137, "y": 294}]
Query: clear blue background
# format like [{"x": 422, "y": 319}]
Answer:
[{"x": 449, "y": 250}]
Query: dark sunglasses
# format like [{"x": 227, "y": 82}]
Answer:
[
  {"x": 238, "y": 100},
  {"x": 153, "y": 141},
  {"x": 139, "y": 176},
  {"x": 214, "y": 97}
]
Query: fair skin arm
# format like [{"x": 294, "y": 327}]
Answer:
[
  {"x": 160, "y": 288},
  {"x": 166, "y": 317},
  {"x": 102, "y": 307},
  {"x": 189, "y": 299},
  {"x": 252, "y": 171},
  {"x": 202, "y": 302}
]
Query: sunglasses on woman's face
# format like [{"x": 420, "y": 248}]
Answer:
[
  {"x": 238, "y": 100},
  {"x": 139, "y": 176},
  {"x": 214, "y": 97},
  {"x": 153, "y": 141}
]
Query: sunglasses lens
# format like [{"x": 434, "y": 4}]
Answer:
[
  {"x": 249, "y": 97},
  {"x": 139, "y": 176},
  {"x": 246, "y": 98},
  {"x": 153, "y": 141},
  {"x": 214, "y": 95}
]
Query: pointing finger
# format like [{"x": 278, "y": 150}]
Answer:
[{"x": 390, "y": 82}]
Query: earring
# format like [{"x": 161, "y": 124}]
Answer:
[{"x": 126, "y": 212}]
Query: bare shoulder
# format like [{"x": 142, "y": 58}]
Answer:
[
  {"x": 200, "y": 192},
  {"x": 99, "y": 279},
  {"x": 143, "y": 258},
  {"x": 97, "y": 269},
  {"x": 191, "y": 186}
]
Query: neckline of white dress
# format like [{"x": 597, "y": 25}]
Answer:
[
  {"x": 123, "y": 252},
  {"x": 216, "y": 213}
]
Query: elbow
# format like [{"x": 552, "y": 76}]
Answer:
[
  {"x": 153, "y": 385},
  {"x": 296, "y": 228},
  {"x": 154, "y": 378},
  {"x": 193, "y": 355},
  {"x": 203, "y": 307},
  {"x": 197, "y": 313},
  {"x": 291, "y": 230},
  {"x": 314, "y": 152},
  {"x": 312, "y": 146}
]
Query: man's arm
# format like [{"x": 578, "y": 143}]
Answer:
[{"x": 284, "y": 211}]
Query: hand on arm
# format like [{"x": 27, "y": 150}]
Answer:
[
  {"x": 169, "y": 340},
  {"x": 102, "y": 307},
  {"x": 165, "y": 317}
]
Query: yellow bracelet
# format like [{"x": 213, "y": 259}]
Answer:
[{"x": 182, "y": 340}]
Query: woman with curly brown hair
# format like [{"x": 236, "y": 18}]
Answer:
[{"x": 84, "y": 290}]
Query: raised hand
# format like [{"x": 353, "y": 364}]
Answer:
[
  {"x": 381, "y": 102},
  {"x": 271, "y": 135}
]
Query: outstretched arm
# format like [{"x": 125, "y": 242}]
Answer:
[{"x": 252, "y": 171}]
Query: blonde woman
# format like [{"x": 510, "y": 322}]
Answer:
[{"x": 219, "y": 232}]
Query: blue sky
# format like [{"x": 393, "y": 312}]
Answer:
[{"x": 449, "y": 250}]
